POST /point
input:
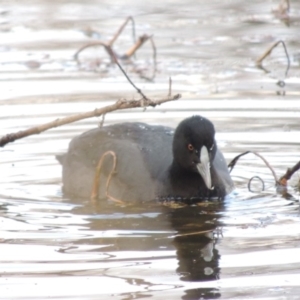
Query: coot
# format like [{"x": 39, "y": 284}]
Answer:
[{"x": 144, "y": 162}]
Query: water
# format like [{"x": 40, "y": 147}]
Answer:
[{"x": 55, "y": 247}]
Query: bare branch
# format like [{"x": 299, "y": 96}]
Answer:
[
  {"x": 129, "y": 80},
  {"x": 120, "y": 104},
  {"x": 268, "y": 52},
  {"x": 141, "y": 40},
  {"x": 121, "y": 30},
  {"x": 154, "y": 62},
  {"x": 108, "y": 46},
  {"x": 105, "y": 45}
]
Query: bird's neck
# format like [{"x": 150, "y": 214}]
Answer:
[
  {"x": 178, "y": 172},
  {"x": 183, "y": 181}
]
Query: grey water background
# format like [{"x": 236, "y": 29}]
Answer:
[{"x": 55, "y": 247}]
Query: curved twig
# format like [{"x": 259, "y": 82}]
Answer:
[
  {"x": 235, "y": 159},
  {"x": 108, "y": 45},
  {"x": 233, "y": 162},
  {"x": 255, "y": 177},
  {"x": 268, "y": 52},
  {"x": 154, "y": 57},
  {"x": 107, "y": 48},
  {"x": 130, "y": 18},
  {"x": 96, "y": 184},
  {"x": 268, "y": 165}
]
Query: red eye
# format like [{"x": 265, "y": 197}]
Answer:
[{"x": 190, "y": 147}]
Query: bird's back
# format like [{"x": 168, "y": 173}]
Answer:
[{"x": 143, "y": 154}]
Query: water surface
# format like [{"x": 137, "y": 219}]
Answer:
[{"x": 53, "y": 246}]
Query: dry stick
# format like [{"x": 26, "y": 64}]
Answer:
[
  {"x": 269, "y": 51},
  {"x": 121, "y": 30},
  {"x": 94, "y": 194},
  {"x": 130, "y": 52},
  {"x": 130, "y": 81},
  {"x": 289, "y": 173},
  {"x": 107, "y": 48},
  {"x": 154, "y": 62},
  {"x": 120, "y": 104},
  {"x": 234, "y": 161},
  {"x": 141, "y": 40},
  {"x": 107, "y": 45},
  {"x": 110, "y": 50}
]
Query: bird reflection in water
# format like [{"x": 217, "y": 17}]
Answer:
[
  {"x": 198, "y": 258},
  {"x": 190, "y": 230}
]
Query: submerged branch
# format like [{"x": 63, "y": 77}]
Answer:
[
  {"x": 280, "y": 183},
  {"x": 232, "y": 164}
]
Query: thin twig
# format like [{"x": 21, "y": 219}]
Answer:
[
  {"x": 269, "y": 51},
  {"x": 250, "y": 181},
  {"x": 154, "y": 62},
  {"x": 235, "y": 159},
  {"x": 117, "y": 34},
  {"x": 107, "y": 47},
  {"x": 268, "y": 165},
  {"x": 120, "y": 104},
  {"x": 141, "y": 40},
  {"x": 233, "y": 162},
  {"x": 96, "y": 184},
  {"x": 129, "y": 80}
]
